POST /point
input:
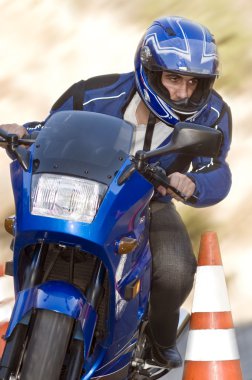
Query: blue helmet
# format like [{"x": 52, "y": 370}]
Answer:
[{"x": 183, "y": 47}]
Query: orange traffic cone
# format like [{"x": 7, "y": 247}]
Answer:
[
  {"x": 211, "y": 352},
  {"x": 3, "y": 328},
  {"x": 1, "y": 270},
  {"x": 3, "y": 325}
]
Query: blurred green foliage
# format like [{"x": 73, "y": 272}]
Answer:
[{"x": 228, "y": 20}]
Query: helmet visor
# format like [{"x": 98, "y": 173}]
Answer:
[{"x": 157, "y": 56}]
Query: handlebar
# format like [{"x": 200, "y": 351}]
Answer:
[
  {"x": 15, "y": 147},
  {"x": 8, "y": 139},
  {"x": 154, "y": 174},
  {"x": 157, "y": 176}
]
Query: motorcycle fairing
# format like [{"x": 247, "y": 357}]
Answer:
[{"x": 123, "y": 212}]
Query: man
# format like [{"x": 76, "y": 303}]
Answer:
[{"x": 176, "y": 64}]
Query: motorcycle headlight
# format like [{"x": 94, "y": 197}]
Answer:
[{"x": 64, "y": 197}]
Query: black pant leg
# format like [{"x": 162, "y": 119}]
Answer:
[{"x": 174, "y": 266}]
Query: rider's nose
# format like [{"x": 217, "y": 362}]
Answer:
[{"x": 182, "y": 91}]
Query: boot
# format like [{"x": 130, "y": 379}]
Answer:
[{"x": 167, "y": 357}]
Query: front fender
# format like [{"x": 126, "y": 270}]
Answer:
[
  {"x": 61, "y": 297},
  {"x": 57, "y": 296}
]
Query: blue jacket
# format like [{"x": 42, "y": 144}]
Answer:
[{"x": 110, "y": 94}]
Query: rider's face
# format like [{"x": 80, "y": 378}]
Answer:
[{"x": 179, "y": 86}]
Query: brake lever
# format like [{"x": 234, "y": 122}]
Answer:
[
  {"x": 157, "y": 177},
  {"x": 26, "y": 141}
]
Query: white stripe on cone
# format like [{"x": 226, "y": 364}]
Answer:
[
  {"x": 212, "y": 345},
  {"x": 210, "y": 281},
  {"x": 6, "y": 310},
  {"x": 6, "y": 298},
  {"x": 6, "y": 288}
]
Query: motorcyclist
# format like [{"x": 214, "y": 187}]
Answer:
[{"x": 176, "y": 64}]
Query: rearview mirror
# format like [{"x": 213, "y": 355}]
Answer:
[{"x": 189, "y": 138}]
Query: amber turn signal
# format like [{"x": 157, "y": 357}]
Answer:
[
  {"x": 132, "y": 290},
  {"x": 9, "y": 224},
  {"x": 126, "y": 245}
]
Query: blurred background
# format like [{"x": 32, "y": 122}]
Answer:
[{"x": 47, "y": 45}]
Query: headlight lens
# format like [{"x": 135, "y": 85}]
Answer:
[{"x": 65, "y": 197}]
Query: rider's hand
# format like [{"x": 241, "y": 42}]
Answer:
[
  {"x": 180, "y": 182},
  {"x": 14, "y": 129}
]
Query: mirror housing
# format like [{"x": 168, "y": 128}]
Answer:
[{"x": 188, "y": 138}]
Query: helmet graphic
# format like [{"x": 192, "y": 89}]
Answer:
[{"x": 182, "y": 47}]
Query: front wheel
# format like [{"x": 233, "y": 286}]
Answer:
[{"x": 47, "y": 346}]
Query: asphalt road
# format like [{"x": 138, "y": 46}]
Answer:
[{"x": 244, "y": 341}]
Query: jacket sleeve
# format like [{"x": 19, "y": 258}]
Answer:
[
  {"x": 212, "y": 176},
  {"x": 71, "y": 99}
]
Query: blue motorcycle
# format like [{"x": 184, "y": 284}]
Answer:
[{"x": 81, "y": 255}]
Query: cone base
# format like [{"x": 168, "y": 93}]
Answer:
[{"x": 214, "y": 370}]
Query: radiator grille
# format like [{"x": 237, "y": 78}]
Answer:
[{"x": 57, "y": 266}]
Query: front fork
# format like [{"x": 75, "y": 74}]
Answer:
[
  {"x": 33, "y": 273},
  {"x": 34, "y": 276}
]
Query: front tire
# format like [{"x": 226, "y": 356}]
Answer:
[{"x": 47, "y": 346}]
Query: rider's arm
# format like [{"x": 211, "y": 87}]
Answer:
[
  {"x": 212, "y": 177},
  {"x": 14, "y": 128}
]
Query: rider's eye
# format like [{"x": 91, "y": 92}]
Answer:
[
  {"x": 194, "y": 81},
  {"x": 172, "y": 78}
]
